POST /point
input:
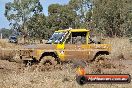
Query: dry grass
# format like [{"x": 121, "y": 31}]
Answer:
[
  {"x": 121, "y": 48},
  {"x": 5, "y": 44}
]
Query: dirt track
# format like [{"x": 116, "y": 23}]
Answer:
[{"x": 14, "y": 75}]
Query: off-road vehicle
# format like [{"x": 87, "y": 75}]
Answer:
[{"x": 65, "y": 45}]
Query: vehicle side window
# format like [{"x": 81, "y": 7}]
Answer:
[
  {"x": 69, "y": 40},
  {"x": 77, "y": 38}
]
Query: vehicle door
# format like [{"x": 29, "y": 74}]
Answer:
[{"x": 75, "y": 46}]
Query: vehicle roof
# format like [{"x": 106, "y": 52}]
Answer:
[
  {"x": 73, "y": 30},
  {"x": 12, "y": 36}
]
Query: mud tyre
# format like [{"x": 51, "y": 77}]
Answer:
[
  {"x": 103, "y": 61},
  {"x": 48, "y": 61}
]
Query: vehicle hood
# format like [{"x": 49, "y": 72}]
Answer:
[{"x": 41, "y": 46}]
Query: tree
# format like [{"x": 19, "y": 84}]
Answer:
[
  {"x": 37, "y": 28},
  {"x": 19, "y": 11},
  {"x": 53, "y": 19},
  {"x": 67, "y": 17},
  {"x": 82, "y": 8},
  {"x": 6, "y": 32},
  {"x": 61, "y": 16},
  {"x": 111, "y": 16}
]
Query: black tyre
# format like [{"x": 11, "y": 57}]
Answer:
[
  {"x": 101, "y": 59},
  {"x": 48, "y": 60}
]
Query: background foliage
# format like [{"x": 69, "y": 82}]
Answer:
[{"x": 112, "y": 18}]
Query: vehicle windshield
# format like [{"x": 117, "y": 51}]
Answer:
[
  {"x": 12, "y": 37},
  {"x": 57, "y": 38}
]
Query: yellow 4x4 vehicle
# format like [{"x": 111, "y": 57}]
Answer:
[{"x": 65, "y": 45}]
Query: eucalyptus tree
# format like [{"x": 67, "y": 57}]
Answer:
[{"x": 19, "y": 11}]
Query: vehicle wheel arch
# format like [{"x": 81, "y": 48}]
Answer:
[
  {"x": 100, "y": 53},
  {"x": 53, "y": 54}
]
